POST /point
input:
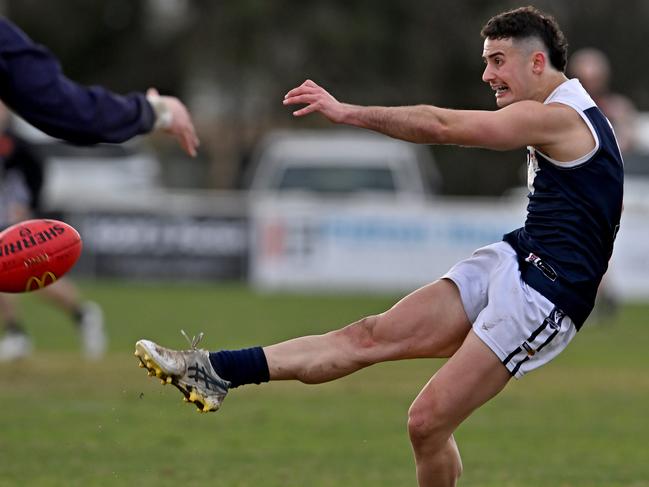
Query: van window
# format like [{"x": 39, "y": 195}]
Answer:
[{"x": 337, "y": 179}]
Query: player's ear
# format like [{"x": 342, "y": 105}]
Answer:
[{"x": 539, "y": 61}]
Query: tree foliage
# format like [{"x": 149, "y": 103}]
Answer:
[{"x": 234, "y": 60}]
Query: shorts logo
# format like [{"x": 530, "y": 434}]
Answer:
[
  {"x": 545, "y": 268},
  {"x": 34, "y": 283},
  {"x": 555, "y": 318},
  {"x": 530, "y": 351},
  {"x": 537, "y": 341},
  {"x": 487, "y": 326}
]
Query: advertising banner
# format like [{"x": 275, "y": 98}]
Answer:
[
  {"x": 305, "y": 244},
  {"x": 162, "y": 246},
  {"x": 298, "y": 244}
]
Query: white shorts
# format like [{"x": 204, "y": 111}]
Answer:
[{"x": 522, "y": 327}]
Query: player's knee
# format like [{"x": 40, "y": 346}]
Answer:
[
  {"x": 361, "y": 334},
  {"x": 428, "y": 424}
]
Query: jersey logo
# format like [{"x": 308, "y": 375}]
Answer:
[
  {"x": 532, "y": 168},
  {"x": 545, "y": 268}
]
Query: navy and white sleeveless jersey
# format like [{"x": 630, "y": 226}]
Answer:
[{"x": 573, "y": 213}]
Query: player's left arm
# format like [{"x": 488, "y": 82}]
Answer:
[
  {"x": 34, "y": 86},
  {"x": 517, "y": 125}
]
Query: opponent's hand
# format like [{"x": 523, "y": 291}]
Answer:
[
  {"x": 316, "y": 99},
  {"x": 174, "y": 119}
]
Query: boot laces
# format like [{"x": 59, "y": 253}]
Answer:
[{"x": 195, "y": 340}]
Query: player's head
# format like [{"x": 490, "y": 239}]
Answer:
[{"x": 520, "y": 47}]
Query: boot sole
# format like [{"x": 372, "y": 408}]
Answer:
[{"x": 154, "y": 369}]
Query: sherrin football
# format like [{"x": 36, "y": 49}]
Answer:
[{"x": 35, "y": 253}]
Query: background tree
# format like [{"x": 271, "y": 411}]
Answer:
[{"x": 234, "y": 60}]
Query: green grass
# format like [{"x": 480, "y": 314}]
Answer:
[{"x": 580, "y": 421}]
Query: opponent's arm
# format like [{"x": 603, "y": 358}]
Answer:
[
  {"x": 34, "y": 86},
  {"x": 520, "y": 124}
]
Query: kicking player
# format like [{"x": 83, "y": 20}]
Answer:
[{"x": 508, "y": 309}]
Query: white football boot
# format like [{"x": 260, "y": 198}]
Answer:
[
  {"x": 15, "y": 346},
  {"x": 189, "y": 370}
]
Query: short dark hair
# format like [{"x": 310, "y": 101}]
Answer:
[{"x": 526, "y": 22}]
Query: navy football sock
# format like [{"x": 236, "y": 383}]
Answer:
[{"x": 247, "y": 366}]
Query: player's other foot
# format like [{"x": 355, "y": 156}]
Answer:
[
  {"x": 189, "y": 370},
  {"x": 91, "y": 331},
  {"x": 14, "y": 346}
]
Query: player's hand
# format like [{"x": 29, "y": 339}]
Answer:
[
  {"x": 174, "y": 119},
  {"x": 316, "y": 99}
]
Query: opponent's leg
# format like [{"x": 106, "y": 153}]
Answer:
[
  {"x": 62, "y": 294},
  {"x": 471, "y": 377},
  {"x": 87, "y": 316},
  {"x": 15, "y": 343}
]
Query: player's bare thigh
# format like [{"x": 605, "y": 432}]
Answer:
[
  {"x": 429, "y": 322},
  {"x": 431, "y": 319}
]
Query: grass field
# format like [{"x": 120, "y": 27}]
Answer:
[{"x": 582, "y": 421}]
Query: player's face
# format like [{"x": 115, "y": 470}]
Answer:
[{"x": 507, "y": 71}]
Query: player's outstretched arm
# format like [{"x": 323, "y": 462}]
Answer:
[
  {"x": 419, "y": 124},
  {"x": 517, "y": 125}
]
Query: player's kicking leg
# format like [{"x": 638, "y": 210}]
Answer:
[{"x": 430, "y": 322}]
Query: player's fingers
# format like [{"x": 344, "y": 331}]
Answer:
[
  {"x": 193, "y": 140},
  {"x": 152, "y": 92},
  {"x": 308, "y": 86},
  {"x": 300, "y": 100},
  {"x": 189, "y": 139},
  {"x": 183, "y": 128},
  {"x": 188, "y": 144},
  {"x": 301, "y": 90},
  {"x": 305, "y": 111}
]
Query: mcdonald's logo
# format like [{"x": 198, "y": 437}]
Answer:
[{"x": 34, "y": 283}]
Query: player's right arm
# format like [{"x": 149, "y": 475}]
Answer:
[
  {"x": 517, "y": 125},
  {"x": 33, "y": 85}
]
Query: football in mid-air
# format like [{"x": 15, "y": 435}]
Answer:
[{"x": 35, "y": 253}]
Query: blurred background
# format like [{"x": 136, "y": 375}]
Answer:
[
  {"x": 232, "y": 62},
  {"x": 147, "y": 211},
  {"x": 330, "y": 224}
]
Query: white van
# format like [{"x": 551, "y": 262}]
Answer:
[{"x": 342, "y": 163}]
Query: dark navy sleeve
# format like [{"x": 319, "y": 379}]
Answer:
[{"x": 33, "y": 85}]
